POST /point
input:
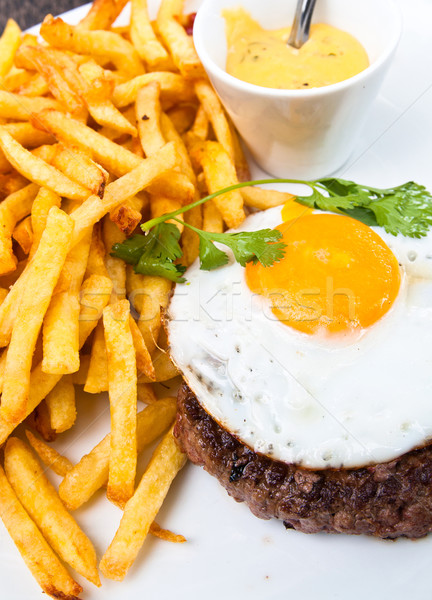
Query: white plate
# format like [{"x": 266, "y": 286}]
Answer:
[{"x": 230, "y": 553}]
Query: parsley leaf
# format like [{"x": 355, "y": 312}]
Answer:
[
  {"x": 256, "y": 246},
  {"x": 154, "y": 253},
  {"x": 405, "y": 209}
]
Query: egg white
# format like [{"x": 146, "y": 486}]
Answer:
[{"x": 298, "y": 398}]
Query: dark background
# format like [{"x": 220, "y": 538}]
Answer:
[{"x": 30, "y": 12}]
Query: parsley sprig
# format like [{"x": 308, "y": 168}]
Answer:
[{"x": 405, "y": 209}]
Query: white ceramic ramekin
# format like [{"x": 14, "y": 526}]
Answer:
[{"x": 302, "y": 134}]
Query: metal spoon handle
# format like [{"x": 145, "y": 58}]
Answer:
[{"x": 302, "y": 20}]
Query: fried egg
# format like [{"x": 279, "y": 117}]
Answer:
[{"x": 322, "y": 359}]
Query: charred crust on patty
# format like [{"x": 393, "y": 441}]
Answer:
[{"x": 386, "y": 500}]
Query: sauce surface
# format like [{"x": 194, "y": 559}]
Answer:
[{"x": 263, "y": 57}]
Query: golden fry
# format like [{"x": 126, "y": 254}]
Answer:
[
  {"x": 173, "y": 88},
  {"x": 97, "y": 375},
  {"x": 61, "y": 405},
  {"x": 44, "y": 506},
  {"x": 23, "y": 235},
  {"x": 38, "y": 171},
  {"x": 144, "y": 38},
  {"x": 49, "y": 456},
  {"x": 142, "y": 508},
  {"x": 262, "y": 198},
  {"x": 102, "y": 14},
  {"x": 35, "y": 300},
  {"x": 96, "y": 43},
  {"x": 122, "y": 389},
  {"x": 12, "y": 209},
  {"x": 91, "y": 472},
  {"x": 13, "y": 106},
  {"x": 148, "y": 112},
  {"x": 9, "y": 44},
  {"x": 45, "y": 567},
  {"x": 95, "y": 295},
  {"x": 178, "y": 42},
  {"x": 61, "y": 323}
]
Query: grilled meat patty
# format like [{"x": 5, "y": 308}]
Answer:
[{"x": 386, "y": 500}]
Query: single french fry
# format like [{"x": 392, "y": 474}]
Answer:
[
  {"x": 9, "y": 44},
  {"x": 41, "y": 422},
  {"x": 200, "y": 127},
  {"x": 14, "y": 106},
  {"x": 178, "y": 42},
  {"x": 13, "y": 208},
  {"x": 144, "y": 38},
  {"x": 144, "y": 361},
  {"x": 262, "y": 198},
  {"x": 11, "y": 182},
  {"x": 91, "y": 472},
  {"x": 106, "y": 114},
  {"x": 80, "y": 168},
  {"x": 190, "y": 240},
  {"x": 35, "y": 87},
  {"x": 97, "y": 375},
  {"x": 146, "y": 393},
  {"x": 102, "y": 14},
  {"x": 160, "y": 205},
  {"x": 148, "y": 295},
  {"x": 122, "y": 389},
  {"x": 115, "y": 266},
  {"x": 23, "y": 234},
  {"x": 27, "y": 135},
  {"x": 142, "y": 508},
  {"x": 80, "y": 376},
  {"x": 148, "y": 113},
  {"x": 240, "y": 162},
  {"x": 95, "y": 43},
  {"x": 38, "y": 171},
  {"x": 41, "y": 206},
  {"x": 95, "y": 295},
  {"x": 61, "y": 323},
  {"x": 173, "y": 88},
  {"x": 182, "y": 117},
  {"x": 164, "y": 368},
  {"x": 165, "y": 534},
  {"x": 34, "y": 303},
  {"x": 45, "y": 567},
  {"x": 212, "y": 218},
  {"x": 216, "y": 115},
  {"x": 49, "y": 456},
  {"x": 219, "y": 172},
  {"x": 61, "y": 405},
  {"x": 44, "y": 506},
  {"x": 171, "y": 135},
  {"x": 96, "y": 257}
]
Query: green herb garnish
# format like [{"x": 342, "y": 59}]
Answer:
[{"x": 406, "y": 209}]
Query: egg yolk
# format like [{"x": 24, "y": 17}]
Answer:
[{"x": 337, "y": 275}]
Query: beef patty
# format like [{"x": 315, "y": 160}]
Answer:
[{"x": 386, "y": 500}]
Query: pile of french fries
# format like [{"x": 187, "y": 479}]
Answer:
[{"x": 101, "y": 127}]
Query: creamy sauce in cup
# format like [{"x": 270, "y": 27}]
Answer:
[{"x": 263, "y": 57}]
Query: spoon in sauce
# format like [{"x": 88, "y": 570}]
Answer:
[{"x": 301, "y": 25}]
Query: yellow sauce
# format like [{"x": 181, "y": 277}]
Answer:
[{"x": 264, "y": 58}]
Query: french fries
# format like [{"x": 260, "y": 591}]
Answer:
[
  {"x": 44, "y": 506},
  {"x": 101, "y": 128},
  {"x": 46, "y": 568},
  {"x": 142, "y": 508},
  {"x": 122, "y": 388},
  {"x": 34, "y": 303},
  {"x": 91, "y": 473}
]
